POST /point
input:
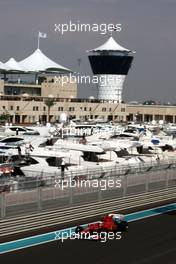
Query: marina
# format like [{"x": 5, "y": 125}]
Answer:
[
  {"x": 29, "y": 159},
  {"x": 87, "y": 132}
]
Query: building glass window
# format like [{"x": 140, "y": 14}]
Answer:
[
  {"x": 71, "y": 109},
  {"x": 60, "y": 108}
]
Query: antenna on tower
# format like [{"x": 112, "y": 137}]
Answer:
[{"x": 79, "y": 62}]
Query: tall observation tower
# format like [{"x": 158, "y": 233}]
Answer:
[{"x": 111, "y": 63}]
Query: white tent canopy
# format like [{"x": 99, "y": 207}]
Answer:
[
  {"x": 13, "y": 65},
  {"x": 3, "y": 67},
  {"x": 39, "y": 62},
  {"x": 111, "y": 45}
]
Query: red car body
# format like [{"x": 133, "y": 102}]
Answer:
[{"x": 109, "y": 224}]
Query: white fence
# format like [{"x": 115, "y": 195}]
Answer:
[{"x": 81, "y": 191}]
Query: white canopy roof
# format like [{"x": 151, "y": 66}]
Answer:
[
  {"x": 3, "y": 67},
  {"x": 39, "y": 62},
  {"x": 111, "y": 45},
  {"x": 13, "y": 65}
]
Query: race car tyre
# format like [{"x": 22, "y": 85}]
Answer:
[
  {"x": 79, "y": 229},
  {"x": 123, "y": 226}
]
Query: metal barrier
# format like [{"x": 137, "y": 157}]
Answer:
[{"x": 85, "y": 190}]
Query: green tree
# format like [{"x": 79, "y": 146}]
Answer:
[
  {"x": 4, "y": 117},
  {"x": 49, "y": 102}
]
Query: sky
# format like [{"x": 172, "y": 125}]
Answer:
[{"x": 148, "y": 27}]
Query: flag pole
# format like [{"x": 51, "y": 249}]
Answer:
[{"x": 38, "y": 41}]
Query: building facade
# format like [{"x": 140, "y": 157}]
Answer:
[
  {"x": 32, "y": 109},
  {"x": 48, "y": 86}
]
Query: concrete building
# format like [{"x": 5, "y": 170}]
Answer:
[
  {"x": 28, "y": 109},
  {"x": 32, "y": 109},
  {"x": 49, "y": 86},
  {"x": 147, "y": 113}
]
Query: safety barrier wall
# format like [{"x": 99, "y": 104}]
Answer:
[{"x": 20, "y": 202}]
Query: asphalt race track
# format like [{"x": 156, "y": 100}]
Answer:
[{"x": 150, "y": 240}]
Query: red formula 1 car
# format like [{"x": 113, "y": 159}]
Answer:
[{"x": 111, "y": 227}]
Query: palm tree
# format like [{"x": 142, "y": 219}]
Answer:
[
  {"x": 4, "y": 117},
  {"x": 49, "y": 102}
]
